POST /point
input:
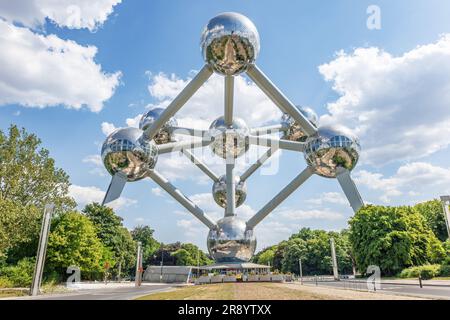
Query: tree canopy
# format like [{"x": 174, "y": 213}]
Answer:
[
  {"x": 144, "y": 234},
  {"x": 393, "y": 238},
  {"x": 314, "y": 249},
  {"x": 433, "y": 214},
  {"x": 74, "y": 242},
  {"x": 113, "y": 235},
  {"x": 28, "y": 175}
]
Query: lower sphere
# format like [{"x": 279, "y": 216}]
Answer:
[{"x": 231, "y": 241}]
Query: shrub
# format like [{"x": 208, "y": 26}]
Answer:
[
  {"x": 5, "y": 283},
  {"x": 21, "y": 274},
  {"x": 445, "y": 271},
  {"x": 425, "y": 272}
]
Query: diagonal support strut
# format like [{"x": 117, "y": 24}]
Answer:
[
  {"x": 279, "y": 198},
  {"x": 181, "y": 198},
  {"x": 178, "y": 102},
  {"x": 286, "y": 106},
  {"x": 349, "y": 188},
  {"x": 206, "y": 170}
]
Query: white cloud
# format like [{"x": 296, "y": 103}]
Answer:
[
  {"x": 329, "y": 197},
  {"x": 44, "y": 70},
  {"x": 93, "y": 159},
  {"x": 87, "y": 195},
  {"x": 418, "y": 179},
  {"x": 108, "y": 128},
  {"x": 74, "y": 14},
  {"x": 299, "y": 215},
  {"x": 157, "y": 192},
  {"x": 206, "y": 105},
  {"x": 134, "y": 122},
  {"x": 397, "y": 105}
]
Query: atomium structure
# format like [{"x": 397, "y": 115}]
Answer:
[{"x": 230, "y": 45}]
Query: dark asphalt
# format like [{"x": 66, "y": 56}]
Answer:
[{"x": 128, "y": 293}]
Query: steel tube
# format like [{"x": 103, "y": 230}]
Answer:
[
  {"x": 272, "y": 142},
  {"x": 179, "y": 146},
  {"x": 279, "y": 198},
  {"x": 231, "y": 190},
  {"x": 267, "y": 130},
  {"x": 229, "y": 100},
  {"x": 179, "y": 102},
  {"x": 200, "y": 165},
  {"x": 181, "y": 198},
  {"x": 266, "y": 156},
  {"x": 350, "y": 190},
  {"x": 188, "y": 132},
  {"x": 286, "y": 106}
]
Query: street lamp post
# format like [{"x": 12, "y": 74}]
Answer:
[
  {"x": 138, "y": 277},
  {"x": 445, "y": 204},
  {"x": 301, "y": 270},
  {"x": 162, "y": 264}
]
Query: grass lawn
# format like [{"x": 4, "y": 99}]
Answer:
[{"x": 263, "y": 291}]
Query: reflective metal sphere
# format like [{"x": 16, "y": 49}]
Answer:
[
  {"x": 231, "y": 241},
  {"x": 230, "y": 42},
  {"x": 295, "y": 132},
  {"x": 124, "y": 152},
  {"x": 229, "y": 142},
  {"x": 220, "y": 191},
  {"x": 330, "y": 149},
  {"x": 164, "y": 135}
]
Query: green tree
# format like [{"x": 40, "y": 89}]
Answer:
[
  {"x": 266, "y": 257},
  {"x": 189, "y": 254},
  {"x": 73, "y": 241},
  {"x": 432, "y": 212},
  {"x": 19, "y": 225},
  {"x": 144, "y": 234},
  {"x": 113, "y": 235},
  {"x": 394, "y": 238},
  {"x": 28, "y": 175},
  {"x": 183, "y": 258}
]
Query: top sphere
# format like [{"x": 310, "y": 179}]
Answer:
[
  {"x": 230, "y": 42},
  {"x": 332, "y": 148}
]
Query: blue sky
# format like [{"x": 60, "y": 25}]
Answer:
[{"x": 117, "y": 59}]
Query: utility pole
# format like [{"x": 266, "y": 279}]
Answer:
[
  {"x": 42, "y": 249},
  {"x": 445, "y": 204},
  {"x": 162, "y": 263},
  {"x": 301, "y": 270},
  {"x": 198, "y": 262},
  {"x": 138, "y": 278},
  {"x": 333, "y": 257}
]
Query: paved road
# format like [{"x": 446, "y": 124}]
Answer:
[
  {"x": 121, "y": 293},
  {"x": 437, "y": 292}
]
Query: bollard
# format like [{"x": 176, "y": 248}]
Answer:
[{"x": 420, "y": 282}]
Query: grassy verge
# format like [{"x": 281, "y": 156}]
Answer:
[
  {"x": 9, "y": 293},
  {"x": 236, "y": 291}
]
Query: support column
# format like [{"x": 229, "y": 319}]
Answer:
[
  {"x": 231, "y": 191},
  {"x": 42, "y": 250},
  {"x": 138, "y": 277},
  {"x": 334, "y": 260}
]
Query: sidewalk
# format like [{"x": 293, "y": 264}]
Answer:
[{"x": 444, "y": 283}]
